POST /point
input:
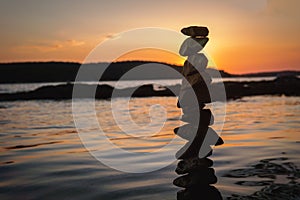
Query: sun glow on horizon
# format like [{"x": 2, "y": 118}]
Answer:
[{"x": 151, "y": 54}]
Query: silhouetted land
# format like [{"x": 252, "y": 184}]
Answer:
[
  {"x": 289, "y": 86},
  {"x": 33, "y": 72}
]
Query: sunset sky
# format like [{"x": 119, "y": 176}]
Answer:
[{"x": 245, "y": 35}]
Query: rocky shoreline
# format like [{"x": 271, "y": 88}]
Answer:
[{"x": 288, "y": 86}]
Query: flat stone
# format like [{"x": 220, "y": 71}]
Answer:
[
  {"x": 192, "y": 46},
  {"x": 187, "y": 104},
  {"x": 205, "y": 117},
  {"x": 219, "y": 142},
  {"x": 212, "y": 138},
  {"x": 194, "y": 96},
  {"x": 192, "y": 164},
  {"x": 198, "y": 192},
  {"x": 192, "y": 149},
  {"x": 204, "y": 149},
  {"x": 195, "y": 31},
  {"x": 201, "y": 177},
  {"x": 201, "y": 79},
  {"x": 189, "y": 69},
  {"x": 189, "y": 132},
  {"x": 195, "y": 64},
  {"x": 186, "y": 110}
]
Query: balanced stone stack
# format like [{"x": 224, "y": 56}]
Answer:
[{"x": 194, "y": 166}]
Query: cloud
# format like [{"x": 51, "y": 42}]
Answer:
[
  {"x": 112, "y": 36},
  {"x": 47, "y": 46},
  {"x": 75, "y": 43}
]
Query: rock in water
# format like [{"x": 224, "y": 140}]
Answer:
[
  {"x": 193, "y": 109},
  {"x": 204, "y": 118},
  {"x": 197, "y": 192},
  {"x": 212, "y": 138},
  {"x": 195, "y": 31},
  {"x": 192, "y": 149},
  {"x": 193, "y": 97},
  {"x": 198, "y": 79},
  {"x": 186, "y": 132},
  {"x": 192, "y": 46},
  {"x": 201, "y": 177},
  {"x": 193, "y": 164},
  {"x": 189, "y": 132}
]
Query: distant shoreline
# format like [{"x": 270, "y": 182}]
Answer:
[
  {"x": 288, "y": 86},
  {"x": 40, "y": 72}
]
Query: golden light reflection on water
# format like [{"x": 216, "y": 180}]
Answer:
[
  {"x": 140, "y": 113},
  {"x": 263, "y": 119}
]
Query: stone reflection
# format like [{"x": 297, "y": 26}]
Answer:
[{"x": 194, "y": 166}]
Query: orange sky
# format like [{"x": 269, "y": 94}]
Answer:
[
  {"x": 245, "y": 36},
  {"x": 152, "y": 54}
]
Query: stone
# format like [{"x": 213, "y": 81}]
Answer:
[
  {"x": 205, "y": 150},
  {"x": 199, "y": 61},
  {"x": 199, "y": 192},
  {"x": 195, "y": 64},
  {"x": 192, "y": 149},
  {"x": 202, "y": 119},
  {"x": 193, "y": 97},
  {"x": 195, "y": 31},
  {"x": 196, "y": 79},
  {"x": 192, "y": 164},
  {"x": 201, "y": 177},
  {"x": 199, "y": 106},
  {"x": 189, "y": 132},
  {"x": 192, "y": 46},
  {"x": 186, "y": 110},
  {"x": 212, "y": 138},
  {"x": 219, "y": 142}
]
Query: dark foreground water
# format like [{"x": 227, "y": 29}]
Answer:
[{"x": 42, "y": 156}]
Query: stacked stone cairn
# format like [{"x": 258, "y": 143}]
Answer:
[{"x": 195, "y": 168}]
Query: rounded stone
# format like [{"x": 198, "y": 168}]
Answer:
[
  {"x": 192, "y": 46},
  {"x": 195, "y": 31}
]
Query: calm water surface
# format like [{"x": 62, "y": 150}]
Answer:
[{"x": 42, "y": 156}]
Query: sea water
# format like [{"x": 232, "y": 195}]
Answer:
[{"x": 43, "y": 157}]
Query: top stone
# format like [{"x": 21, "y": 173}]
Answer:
[{"x": 195, "y": 31}]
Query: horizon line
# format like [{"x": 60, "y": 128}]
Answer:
[{"x": 146, "y": 61}]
